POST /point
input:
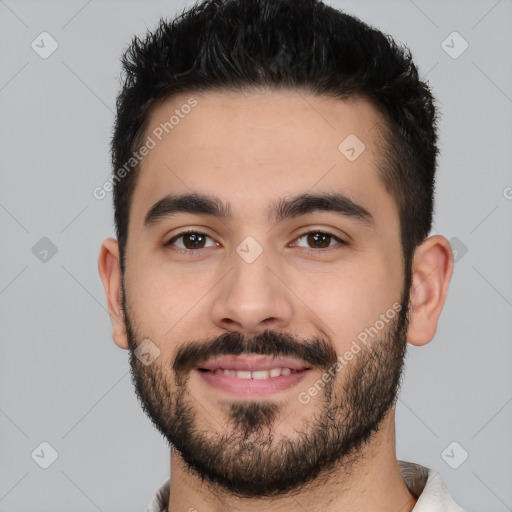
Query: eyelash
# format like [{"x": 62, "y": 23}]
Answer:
[{"x": 307, "y": 250}]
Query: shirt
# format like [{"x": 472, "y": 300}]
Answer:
[{"x": 425, "y": 484}]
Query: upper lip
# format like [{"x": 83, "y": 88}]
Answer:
[{"x": 252, "y": 363}]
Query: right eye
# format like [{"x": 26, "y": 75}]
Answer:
[{"x": 192, "y": 240}]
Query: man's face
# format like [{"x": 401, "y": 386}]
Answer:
[{"x": 307, "y": 289}]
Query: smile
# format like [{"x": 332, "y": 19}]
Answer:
[
  {"x": 259, "y": 374},
  {"x": 251, "y": 384}
]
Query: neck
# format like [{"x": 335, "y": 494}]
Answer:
[{"x": 371, "y": 483}]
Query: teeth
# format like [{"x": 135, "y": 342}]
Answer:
[{"x": 259, "y": 374}]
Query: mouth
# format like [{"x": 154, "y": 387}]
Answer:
[{"x": 252, "y": 376}]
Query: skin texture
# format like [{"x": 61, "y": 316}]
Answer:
[{"x": 249, "y": 150}]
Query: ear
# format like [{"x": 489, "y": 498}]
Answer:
[
  {"x": 432, "y": 270},
  {"x": 110, "y": 273}
]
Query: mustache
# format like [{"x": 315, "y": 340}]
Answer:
[{"x": 316, "y": 351}]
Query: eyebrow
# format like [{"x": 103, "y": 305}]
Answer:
[{"x": 282, "y": 209}]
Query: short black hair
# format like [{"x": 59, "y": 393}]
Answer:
[{"x": 302, "y": 45}]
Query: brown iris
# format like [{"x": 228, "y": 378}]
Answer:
[{"x": 319, "y": 238}]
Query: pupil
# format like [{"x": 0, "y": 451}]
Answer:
[
  {"x": 192, "y": 237},
  {"x": 325, "y": 237}
]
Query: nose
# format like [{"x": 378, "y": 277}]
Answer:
[{"x": 251, "y": 298}]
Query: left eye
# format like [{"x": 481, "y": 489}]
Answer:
[{"x": 320, "y": 239}]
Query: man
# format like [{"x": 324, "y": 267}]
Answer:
[{"x": 273, "y": 180}]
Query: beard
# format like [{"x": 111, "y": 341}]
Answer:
[{"x": 244, "y": 458}]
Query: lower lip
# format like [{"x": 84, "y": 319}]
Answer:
[{"x": 252, "y": 387}]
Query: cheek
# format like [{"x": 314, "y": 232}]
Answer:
[
  {"x": 161, "y": 295},
  {"x": 347, "y": 301}
]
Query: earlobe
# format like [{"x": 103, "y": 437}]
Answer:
[
  {"x": 110, "y": 273},
  {"x": 432, "y": 270}
]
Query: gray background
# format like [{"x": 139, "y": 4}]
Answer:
[{"x": 64, "y": 381}]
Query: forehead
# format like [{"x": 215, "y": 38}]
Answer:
[{"x": 250, "y": 149}]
